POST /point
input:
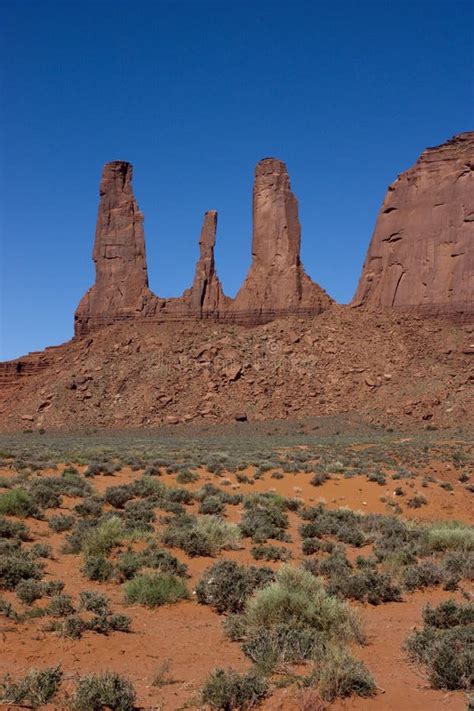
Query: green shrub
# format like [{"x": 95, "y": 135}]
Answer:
[
  {"x": 225, "y": 690},
  {"x": 264, "y": 518},
  {"x": 155, "y": 589},
  {"x": 422, "y": 575},
  {"x": 162, "y": 560},
  {"x": 226, "y": 586},
  {"x": 61, "y": 606},
  {"x": 72, "y": 627},
  {"x": 44, "y": 494},
  {"x": 212, "y": 505},
  {"x": 98, "y": 568},
  {"x": 13, "y": 529},
  {"x": 103, "y": 538},
  {"x": 38, "y": 687},
  {"x": 94, "y": 602},
  {"x": 14, "y": 568},
  {"x": 128, "y": 564},
  {"x": 17, "y": 502},
  {"x": 91, "y": 507},
  {"x": 449, "y": 536},
  {"x": 449, "y": 614},
  {"x": 378, "y": 477},
  {"x": 416, "y": 502},
  {"x": 107, "y": 690},
  {"x": 41, "y": 550},
  {"x": 281, "y": 644},
  {"x": 29, "y": 590},
  {"x": 187, "y": 477},
  {"x": 61, "y": 523},
  {"x": 53, "y": 587},
  {"x": 263, "y": 551},
  {"x": 369, "y": 586},
  {"x": 138, "y": 515},
  {"x": 118, "y": 496},
  {"x": 300, "y": 600},
  {"x": 448, "y": 655},
  {"x": 339, "y": 676},
  {"x": 7, "y": 609},
  {"x": 205, "y": 536}
]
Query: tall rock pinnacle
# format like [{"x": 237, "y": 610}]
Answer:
[
  {"x": 206, "y": 295},
  {"x": 421, "y": 256},
  {"x": 276, "y": 281},
  {"x": 121, "y": 286}
]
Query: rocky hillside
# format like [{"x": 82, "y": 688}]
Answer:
[{"x": 391, "y": 370}]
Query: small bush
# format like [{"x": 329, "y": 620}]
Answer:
[
  {"x": 226, "y": 586},
  {"x": 128, "y": 564},
  {"x": 155, "y": 589},
  {"x": 447, "y": 654},
  {"x": 422, "y": 575},
  {"x": 17, "y": 502},
  {"x": 44, "y": 494},
  {"x": 61, "y": 523},
  {"x": 162, "y": 560},
  {"x": 205, "y": 536},
  {"x": 378, "y": 477},
  {"x": 263, "y": 551},
  {"x": 38, "y": 687},
  {"x": 97, "y": 567},
  {"x": 264, "y": 518},
  {"x": 369, "y": 586},
  {"x": 118, "y": 496},
  {"x": 212, "y": 505},
  {"x": 89, "y": 508},
  {"x": 339, "y": 676},
  {"x": 107, "y": 690},
  {"x": 320, "y": 478},
  {"x": 14, "y": 568},
  {"x": 449, "y": 536},
  {"x": 41, "y": 550},
  {"x": 102, "y": 539},
  {"x": 225, "y": 690},
  {"x": 61, "y": 606},
  {"x": 71, "y": 627},
  {"x": 29, "y": 590},
  {"x": 13, "y": 529},
  {"x": 94, "y": 602},
  {"x": 416, "y": 502},
  {"x": 449, "y": 614}
]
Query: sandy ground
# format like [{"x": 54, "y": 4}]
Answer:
[{"x": 190, "y": 636}]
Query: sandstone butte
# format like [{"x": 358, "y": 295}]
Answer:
[
  {"x": 421, "y": 257},
  {"x": 275, "y": 285}
]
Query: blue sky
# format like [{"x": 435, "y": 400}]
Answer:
[{"x": 194, "y": 94}]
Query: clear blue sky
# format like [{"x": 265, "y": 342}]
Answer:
[{"x": 194, "y": 94}]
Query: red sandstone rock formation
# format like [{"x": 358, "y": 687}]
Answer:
[
  {"x": 121, "y": 286},
  {"x": 276, "y": 282},
  {"x": 421, "y": 255},
  {"x": 206, "y": 296}
]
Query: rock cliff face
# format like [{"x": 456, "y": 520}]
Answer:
[
  {"x": 421, "y": 256},
  {"x": 276, "y": 282},
  {"x": 121, "y": 286}
]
